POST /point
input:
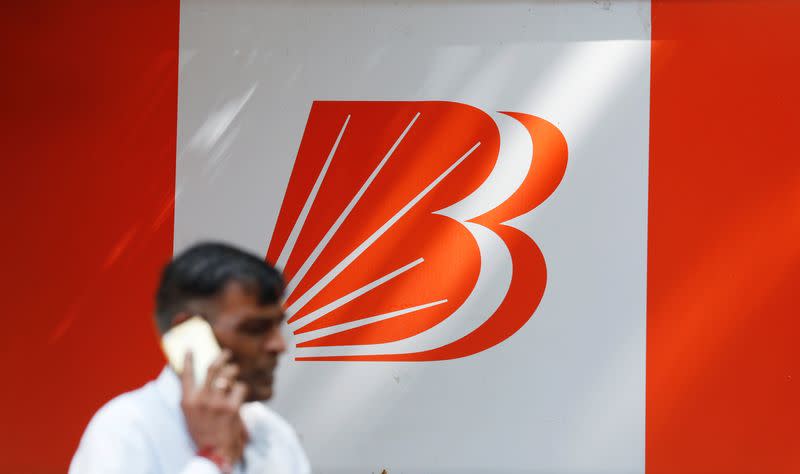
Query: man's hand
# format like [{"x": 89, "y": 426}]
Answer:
[{"x": 212, "y": 409}]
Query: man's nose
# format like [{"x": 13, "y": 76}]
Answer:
[{"x": 275, "y": 342}]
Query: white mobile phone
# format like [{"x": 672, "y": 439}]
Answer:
[{"x": 194, "y": 334}]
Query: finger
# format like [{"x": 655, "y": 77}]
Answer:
[
  {"x": 187, "y": 374},
  {"x": 229, "y": 372},
  {"x": 244, "y": 435},
  {"x": 225, "y": 379},
  {"x": 242, "y": 443},
  {"x": 238, "y": 447},
  {"x": 215, "y": 367},
  {"x": 237, "y": 395}
]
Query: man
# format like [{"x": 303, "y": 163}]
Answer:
[{"x": 172, "y": 426}]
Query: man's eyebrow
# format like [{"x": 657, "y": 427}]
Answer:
[{"x": 279, "y": 316}]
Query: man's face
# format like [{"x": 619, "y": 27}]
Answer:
[{"x": 252, "y": 333}]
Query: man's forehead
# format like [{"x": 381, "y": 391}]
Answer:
[
  {"x": 251, "y": 307},
  {"x": 244, "y": 314},
  {"x": 239, "y": 300}
]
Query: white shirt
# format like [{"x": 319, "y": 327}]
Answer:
[{"x": 144, "y": 432}]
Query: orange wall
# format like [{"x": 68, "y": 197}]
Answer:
[
  {"x": 88, "y": 155},
  {"x": 723, "y": 359},
  {"x": 88, "y": 144}
]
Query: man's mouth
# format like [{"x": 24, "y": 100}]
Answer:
[{"x": 259, "y": 376}]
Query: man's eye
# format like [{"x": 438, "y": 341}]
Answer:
[{"x": 256, "y": 329}]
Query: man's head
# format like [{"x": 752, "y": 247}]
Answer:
[{"x": 239, "y": 294}]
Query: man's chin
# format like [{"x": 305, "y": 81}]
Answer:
[{"x": 259, "y": 393}]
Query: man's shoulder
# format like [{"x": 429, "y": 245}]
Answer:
[
  {"x": 130, "y": 409},
  {"x": 123, "y": 434}
]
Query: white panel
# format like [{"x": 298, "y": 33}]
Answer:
[{"x": 566, "y": 392}]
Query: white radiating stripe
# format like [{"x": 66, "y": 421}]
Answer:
[
  {"x": 318, "y": 313},
  {"x": 311, "y": 335},
  {"x": 333, "y": 273},
  {"x": 298, "y": 277},
  {"x": 490, "y": 289},
  {"x": 301, "y": 219}
]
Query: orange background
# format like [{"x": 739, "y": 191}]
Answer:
[
  {"x": 89, "y": 112},
  {"x": 89, "y": 96},
  {"x": 723, "y": 324}
]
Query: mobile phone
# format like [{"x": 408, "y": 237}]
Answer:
[{"x": 194, "y": 334}]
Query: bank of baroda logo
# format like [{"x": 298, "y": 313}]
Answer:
[{"x": 392, "y": 233}]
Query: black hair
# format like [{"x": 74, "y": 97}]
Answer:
[{"x": 201, "y": 272}]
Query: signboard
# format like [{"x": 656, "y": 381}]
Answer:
[{"x": 457, "y": 193}]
